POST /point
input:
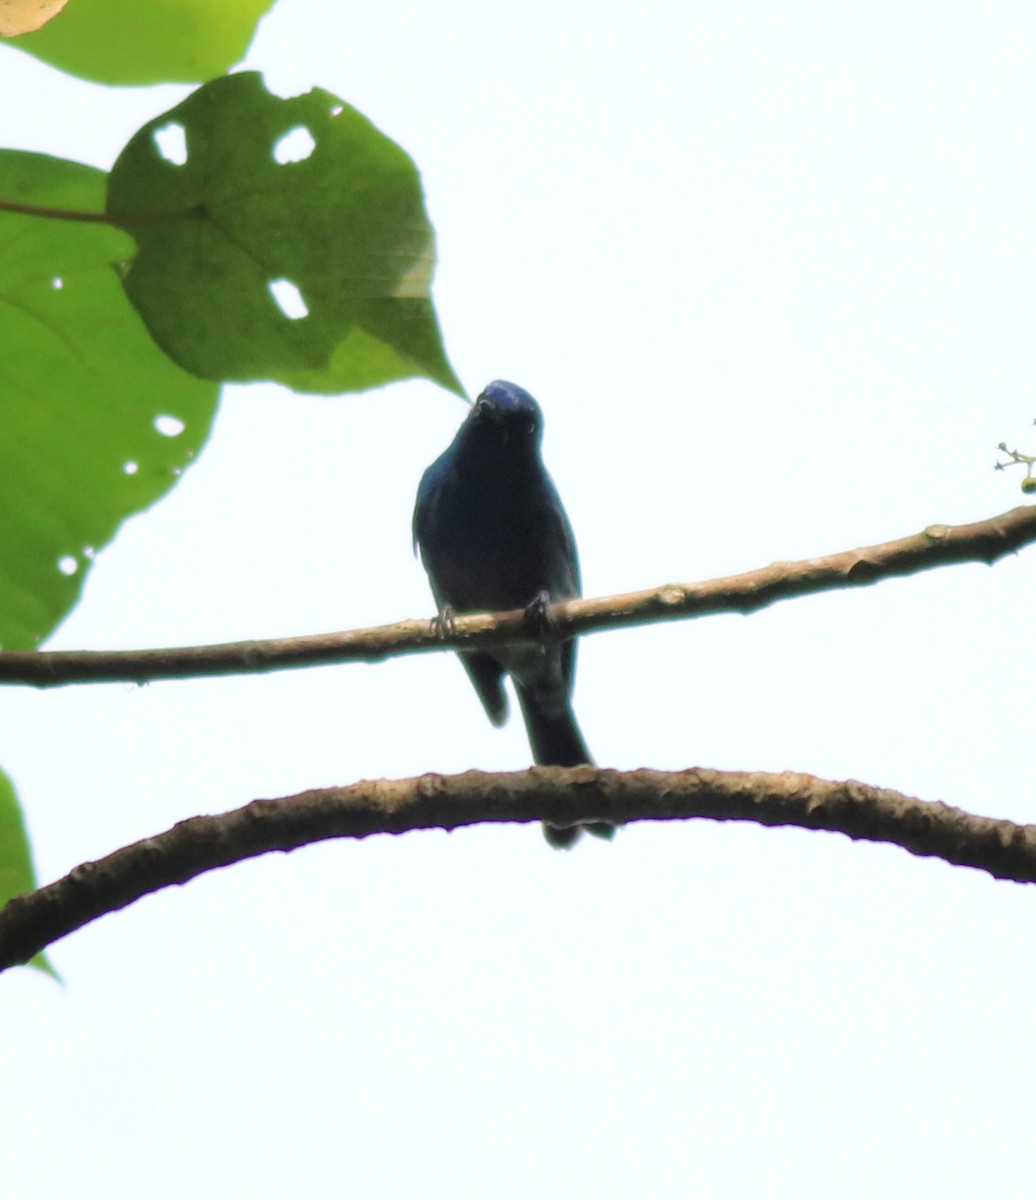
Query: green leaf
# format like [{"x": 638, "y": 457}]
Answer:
[
  {"x": 16, "y": 870},
  {"x": 346, "y": 226},
  {"x": 95, "y": 422},
  {"x": 160, "y": 41}
]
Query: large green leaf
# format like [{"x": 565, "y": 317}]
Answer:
[
  {"x": 16, "y": 870},
  {"x": 346, "y": 226},
  {"x": 130, "y": 42},
  {"x": 95, "y": 422}
]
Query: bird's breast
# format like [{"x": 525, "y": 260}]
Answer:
[{"x": 494, "y": 549}]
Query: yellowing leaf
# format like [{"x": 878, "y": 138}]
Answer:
[
  {"x": 26, "y": 16},
  {"x": 147, "y": 41}
]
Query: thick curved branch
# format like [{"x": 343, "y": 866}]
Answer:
[
  {"x": 31, "y": 922},
  {"x": 938, "y": 546}
]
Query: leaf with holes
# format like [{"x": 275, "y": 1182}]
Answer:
[
  {"x": 16, "y": 870},
  {"x": 164, "y": 41},
  {"x": 95, "y": 422},
  {"x": 280, "y": 239}
]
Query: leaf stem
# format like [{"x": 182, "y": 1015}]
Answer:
[
  {"x": 118, "y": 220},
  {"x": 55, "y": 214}
]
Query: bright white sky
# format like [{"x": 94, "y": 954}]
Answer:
[{"x": 770, "y": 269}]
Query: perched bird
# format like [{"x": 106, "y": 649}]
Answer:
[{"x": 494, "y": 536}]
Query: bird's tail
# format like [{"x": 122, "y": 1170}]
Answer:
[
  {"x": 555, "y": 736},
  {"x": 557, "y": 741}
]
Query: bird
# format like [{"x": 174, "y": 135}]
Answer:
[{"x": 493, "y": 536}]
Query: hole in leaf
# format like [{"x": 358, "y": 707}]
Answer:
[
  {"x": 337, "y": 110},
  {"x": 67, "y": 565},
  {"x": 57, "y": 283},
  {"x": 171, "y": 142},
  {"x": 288, "y": 299},
  {"x": 169, "y": 426},
  {"x": 89, "y": 551},
  {"x": 130, "y": 468},
  {"x": 296, "y": 145}
]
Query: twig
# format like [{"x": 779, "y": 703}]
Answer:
[
  {"x": 938, "y": 546},
  {"x": 31, "y": 922},
  {"x": 1016, "y": 458}
]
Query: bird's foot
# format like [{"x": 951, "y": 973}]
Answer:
[
  {"x": 444, "y": 624},
  {"x": 538, "y": 618}
]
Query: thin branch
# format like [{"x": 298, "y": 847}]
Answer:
[
  {"x": 938, "y": 546},
  {"x": 31, "y": 922}
]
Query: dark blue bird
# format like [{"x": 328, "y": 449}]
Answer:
[{"x": 494, "y": 536}]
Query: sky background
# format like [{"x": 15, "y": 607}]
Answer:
[{"x": 770, "y": 269}]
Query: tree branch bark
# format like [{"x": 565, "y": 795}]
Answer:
[
  {"x": 938, "y": 546},
  {"x": 32, "y": 922}
]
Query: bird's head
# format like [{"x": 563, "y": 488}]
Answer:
[{"x": 507, "y": 414}]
